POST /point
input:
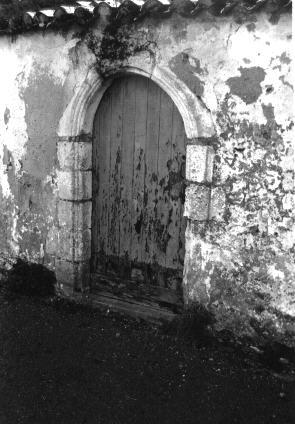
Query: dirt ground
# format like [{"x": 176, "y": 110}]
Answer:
[{"x": 62, "y": 364}]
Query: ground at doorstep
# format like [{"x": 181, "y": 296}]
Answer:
[{"x": 63, "y": 364}]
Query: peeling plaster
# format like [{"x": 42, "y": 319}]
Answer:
[
  {"x": 50, "y": 54},
  {"x": 22, "y": 118},
  {"x": 187, "y": 70},
  {"x": 251, "y": 27},
  {"x": 6, "y": 116},
  {"x": 239, "y": 258},
  {"x": 40, "y": 157},
  {"x": 284, "y": 58},
  {"x": 268, "y": 112},
  {"x": 247, "y": 86}
]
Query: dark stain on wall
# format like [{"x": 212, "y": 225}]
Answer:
[
  {"x": 282, "y": 78},
  {"x": 251, "y": 27},
  {"x": 43, "y": 101},
  {"x": 6, "y": 116},
  {"x": 279, "y": 11},
  {"x": 268, "y": 112},
  {"x": 284, "y": 58},
  {"x": 178, "y": 29},
  {"x": 36, "y": 207},
  {"x": 185, "y": 71},
  {"x": 7, "y": 157},
  {"x": 269, "y": 89},
  {"x": 247, "y": 86}
]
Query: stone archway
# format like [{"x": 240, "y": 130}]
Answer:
[
  {"x": 75, "y": 160},
  {"x": 78, "y": 116}
]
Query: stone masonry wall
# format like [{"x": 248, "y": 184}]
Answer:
[{"x": 240, "y": 194}]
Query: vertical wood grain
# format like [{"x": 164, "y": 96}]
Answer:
[
  {"x": 138, "y": 179},
  {"x": 126, "y": 179},
  {"x": 164, "y": 153},
  {"x": 176, "y": 177},
  {"x": 141, "y": 98},
  {"x": 116, "y": 124},
  {"x": 101, "y": 177},
  {"x": 149, "y": 246}
]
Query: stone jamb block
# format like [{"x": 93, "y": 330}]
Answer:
[
  {"x": 74, "y": 245},
  {"x": 52, "y": 241},
  {"x": 217, "y": 204},
  {"x": 74, "y": 155},
  {"x": 74, "y": 185},
  {"x": 197, "y": 202},
  {"x": 72, "y": 276},
  {"x": 199, "y": 163},
  {"x": 75, "y": 216}
]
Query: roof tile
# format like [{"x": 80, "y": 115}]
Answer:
[{"x": 23, "y": 15}]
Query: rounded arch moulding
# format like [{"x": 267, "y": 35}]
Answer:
[{"x": 78, "y": 117}]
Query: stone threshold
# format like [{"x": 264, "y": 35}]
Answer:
[
  {"x": 151, "y": 304},
  {"x": 136, "y": 309}
]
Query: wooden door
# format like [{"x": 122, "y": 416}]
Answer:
[{"x": 138, "y": 187}]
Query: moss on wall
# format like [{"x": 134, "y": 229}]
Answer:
[{"x": 117, "y": 43}]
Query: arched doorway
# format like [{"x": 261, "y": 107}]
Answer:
[{"x": 138, "y": 193}]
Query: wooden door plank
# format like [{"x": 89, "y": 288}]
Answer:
[
  {"x": 182, "y": 227},
  {"x": 181, "y": 143},
  {"x": 149, "y": 249},
  {"x": 95, "y": 221},
  {"x": 116, "y": 97},
  {"x": 164, "y": 160},
  {"x": 101, "y": 151},
  {"x": 176, "y": 191},
  {"x": 125, "y": 214},
  {"x": 141, "y": 95},
  {"x": 104, "y": 173}
]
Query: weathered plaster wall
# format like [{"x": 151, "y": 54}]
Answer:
[
  {"x": 240, "y": 208},
  {"x": 241, "y": 262},
  {"x": 32, "y": 75}
]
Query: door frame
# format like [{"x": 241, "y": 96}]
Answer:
[{"x": 74, "y": 177}]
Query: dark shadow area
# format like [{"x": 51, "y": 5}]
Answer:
[
  {"x": 194, "y": 325},
  {"x": 66, "y": 363},
  {"x": 29, "y": 279}
]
